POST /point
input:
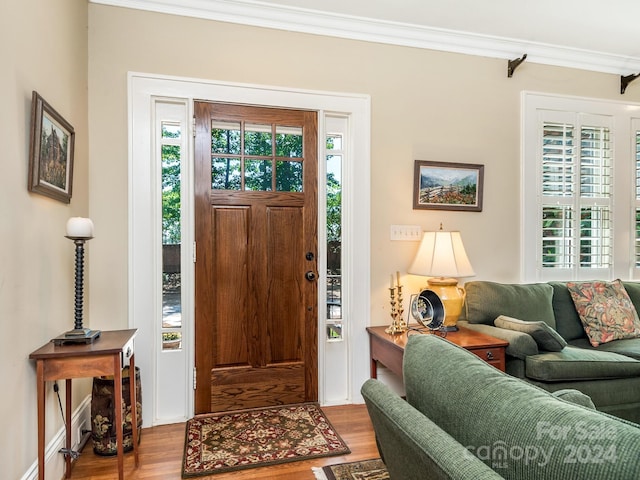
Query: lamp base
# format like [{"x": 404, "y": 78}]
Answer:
[
  {"x": 452, "y": 297},
  {"x": 78, "y": 335},
  {"x": 449, "y": 328}
]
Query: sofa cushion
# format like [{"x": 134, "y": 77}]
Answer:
[
  {"x": 574, "y": 396},
  {"x": 568, "y": 323},
  {"x": 606, "y": 310},
  {"x": 629, "y": 347},
  {"x": 574, "y": 364},
  {"x": 615, "y": 396},
  {"x": 486, "y": 301},
  {"x": 545, "y": 337}
]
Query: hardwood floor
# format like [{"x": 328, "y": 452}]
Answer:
[{"x": 161, "y": 451}]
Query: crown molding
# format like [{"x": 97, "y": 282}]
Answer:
[{"x": 281, "y": 17}]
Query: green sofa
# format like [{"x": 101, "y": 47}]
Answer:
[
  {"x": 609, "y": 374},
  {"x": 464, "y": 419}
]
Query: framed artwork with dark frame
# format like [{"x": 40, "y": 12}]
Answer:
[
  {"x": 447, "y": 186},
  {"x": 50, "y": 152}
]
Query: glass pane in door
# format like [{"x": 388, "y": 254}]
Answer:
[
  {"x": 288, "y": 176},
  {"x": 288, "y": 142},
  {"x": 226, "y": 173},
  {"x": 258, "y": 140},
  {"x": 258, "y": 175}
]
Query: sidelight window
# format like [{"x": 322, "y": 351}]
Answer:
[
  {"x": 171, "y": 239},
  {"x": 335, "y": 288},
  {"x": 334, "y": 227}
]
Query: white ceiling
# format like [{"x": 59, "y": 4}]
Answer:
[{"x": 589, "y": 34}]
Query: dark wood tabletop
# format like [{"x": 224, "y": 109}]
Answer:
[
  {"x": 111, "y": 341},
  {"x": 388, "y": 349},
  {"x": 464, "y": 337}
]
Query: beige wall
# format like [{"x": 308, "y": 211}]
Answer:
[
  {"x": 425, "y": 105},
  {"x": 43, "y": 47}
]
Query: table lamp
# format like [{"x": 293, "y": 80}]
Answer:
[
  {"x": 80, "y": 230},
  {"x": 441, "y": 256}
]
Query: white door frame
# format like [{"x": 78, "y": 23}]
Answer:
[{"x": 145, "y": 302}]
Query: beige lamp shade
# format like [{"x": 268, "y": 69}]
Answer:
[
  {"x": 441, "y": 254},
  {"x": 442, "y": 257}
]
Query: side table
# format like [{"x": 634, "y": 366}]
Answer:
[
  {"x": 389, "y": 349},
  {"x": 105, "y": 356}
]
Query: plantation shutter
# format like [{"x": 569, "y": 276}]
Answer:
[
  {"x": 575, "y": 168},
  {"x": 580, "y": 189}
]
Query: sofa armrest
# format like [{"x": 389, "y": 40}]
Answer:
[
  {"x": 412, "y": 446},
  {"x": 521, "y": 344}
]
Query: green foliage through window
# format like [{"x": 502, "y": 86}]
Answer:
[
  {"x": 246, "y": 157},
  {"x": 170, "y": 194}
]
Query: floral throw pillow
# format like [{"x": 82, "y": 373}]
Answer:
[{"x": 605, "y": 310}]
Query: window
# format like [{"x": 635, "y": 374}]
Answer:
[
  {"x": 170, "y": 144},
  {"x": 576, "y": 193},
  {"x": 245, "y": 157},
  {"x": 334, "y": 231},
  {"x": 580, "y": 164},
  {"x": 335, "y": 142}
]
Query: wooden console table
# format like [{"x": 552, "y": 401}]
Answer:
[
  {"x": 389, "y": 349},
  {"x": 105, "y": 356}
]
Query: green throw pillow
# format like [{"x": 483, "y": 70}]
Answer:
[{"x": 545, "y": 336}]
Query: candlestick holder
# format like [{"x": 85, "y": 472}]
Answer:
[
  {"x": 79, "y": 334},
  {"x": 400, "y": 310},
  {"x": 398, "y": 325}
]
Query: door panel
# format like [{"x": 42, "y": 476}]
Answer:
[
  {"x": 230, "y": 297},
  {"x": 285, "y": 286},
  {"x": 246, "y": 387},
  {"x": 256, "y": 218}
]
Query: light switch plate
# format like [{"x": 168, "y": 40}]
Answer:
[{"x": 411, "y": 233}]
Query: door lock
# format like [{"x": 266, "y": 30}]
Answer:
[
  {"x": 311, "y": 276},
  {"x": 310, "y": 256}
]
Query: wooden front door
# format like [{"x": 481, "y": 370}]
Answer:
[{"x": 256, "y": 243}]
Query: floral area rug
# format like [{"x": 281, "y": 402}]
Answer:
[
  {"x": 364, "y": 470},
  {"x": 223, "y": 442}
]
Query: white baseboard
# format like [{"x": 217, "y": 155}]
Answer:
[{"x": 54, "y": 461}]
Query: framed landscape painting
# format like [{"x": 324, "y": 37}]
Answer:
[
  {"x": 447, "y": 186},
  {"x": 50, "y": 152}
]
